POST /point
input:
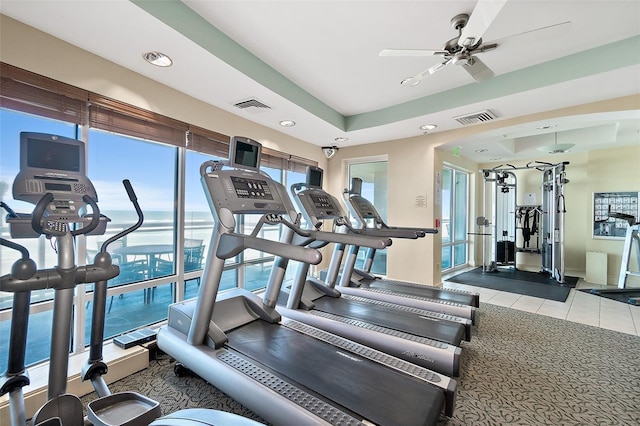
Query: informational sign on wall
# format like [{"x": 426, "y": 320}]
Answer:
[{"x": 605, "y": 203}]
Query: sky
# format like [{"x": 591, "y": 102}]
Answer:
[{"x": 111, "y": 158}]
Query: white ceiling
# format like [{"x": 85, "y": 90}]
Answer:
[{"x": 317, "y": 63}]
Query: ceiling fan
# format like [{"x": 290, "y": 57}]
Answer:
[{"x": 462, "y": 50}]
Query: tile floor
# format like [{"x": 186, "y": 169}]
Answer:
[{"x": 579, "y": 307}]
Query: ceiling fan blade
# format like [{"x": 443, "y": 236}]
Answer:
[
  {"x": 548, "y": 32},
  {"x": 416, "y": 79},
  {"x": 483, "y": 15},
  {"x": 411, "y": 52},
  {"x": 478, "y": 69},
  {"x": 437, "y": 67}
]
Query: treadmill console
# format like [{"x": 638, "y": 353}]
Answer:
[
  {"x": 316, "y": 205},
  {"x": 251, "y": 188},
  {"x": 322, "y": 203},
  {"x": 364, "y": 208},
  {"x": 243, "y": 192}
]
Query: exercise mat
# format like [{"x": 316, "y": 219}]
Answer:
[
  {"x": 622, "y": 296},
  {"x": 535, "y": 284}
]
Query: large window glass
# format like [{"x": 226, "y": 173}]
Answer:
[
  {"x": 141, "y": 254},
  {"x": 374, "y": 189},
  {"x": 454, "y": 218}
]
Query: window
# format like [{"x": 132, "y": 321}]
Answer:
[
  {"x": 111, "y": 159},
  {"x": 454, "y": 218}
]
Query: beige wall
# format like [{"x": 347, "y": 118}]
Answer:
[{"x": 412, "y": 162}]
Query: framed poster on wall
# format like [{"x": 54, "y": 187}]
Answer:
[{"x": 615, "y": 202}]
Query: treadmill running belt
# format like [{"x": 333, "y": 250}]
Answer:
[
  {"x": 378, "y": 393},
  {"x": 409, "y": 322},
  {"x": 431, "y": 293}
]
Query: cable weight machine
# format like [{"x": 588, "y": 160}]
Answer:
[{"x": 528, "y": 227}]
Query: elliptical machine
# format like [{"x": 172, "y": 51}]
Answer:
[{"x": 52, "y": 176}]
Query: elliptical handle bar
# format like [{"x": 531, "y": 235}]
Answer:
[
  {"x": 22, "y": 249},
  {"x": 38, "y": 212},
  {"x": 138, "y": 224},
  {"x": 41, "y": 206},
  {"x": 95, "y": 217}
]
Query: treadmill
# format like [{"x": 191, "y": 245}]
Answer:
[
  {"x": 317, "y": 205},
  {"x": 367, "y": 217},
  {"x": 285, "y": 371},
  {"x": 393, "y": 329}
]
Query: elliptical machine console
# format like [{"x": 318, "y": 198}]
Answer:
[{"x": 53, "y": 176}]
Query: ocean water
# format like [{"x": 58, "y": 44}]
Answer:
[{"x": 157, "y": 228}]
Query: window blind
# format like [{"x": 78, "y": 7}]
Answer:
[
  {"x": 119, "y": 117},
  {"x": 31, "y": 93}
]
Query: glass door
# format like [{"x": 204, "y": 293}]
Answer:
[{"x": 455, "y": 185}]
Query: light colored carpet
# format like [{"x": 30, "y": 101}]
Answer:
[{"x": 518, "y": 369}]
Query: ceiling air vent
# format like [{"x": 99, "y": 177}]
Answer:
[
  {"x": 252, "y": 105},
  {"x": 476, "y": 117}
]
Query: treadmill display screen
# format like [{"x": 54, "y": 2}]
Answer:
[
  {"x": 51, "y": 155},
  {"x": 314, "y": 177},
  {"x": 251, "y": 188},
  {"x": 246, "y": 155}
]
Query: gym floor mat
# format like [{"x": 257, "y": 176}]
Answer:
[
  {"x": 619, "y": 297},
  {"x": 535, "y": 284}
]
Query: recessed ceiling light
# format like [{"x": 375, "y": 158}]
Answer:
[
  {"x": 287, "y": 123},
  {"x": 341, "y": 139},
  {"x": 428, "y": 127},
  {"x": 481, "y": 150},
  {"x": 495, "y": 158},
  {"x": 158, "y": 59},
  {"x": 556, "y": 148}
]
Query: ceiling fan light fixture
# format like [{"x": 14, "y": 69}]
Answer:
[{"x": 469, "y": 41}]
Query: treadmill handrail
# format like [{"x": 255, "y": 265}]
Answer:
[
  {"x": 392, "y": 233},
  {"x": 231, "y": 244},
  {"x": 414, "y": 229},
  {"x": 359, "y": 239}
]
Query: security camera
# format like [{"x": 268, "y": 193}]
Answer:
[{"x": 329, "y": 151}]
